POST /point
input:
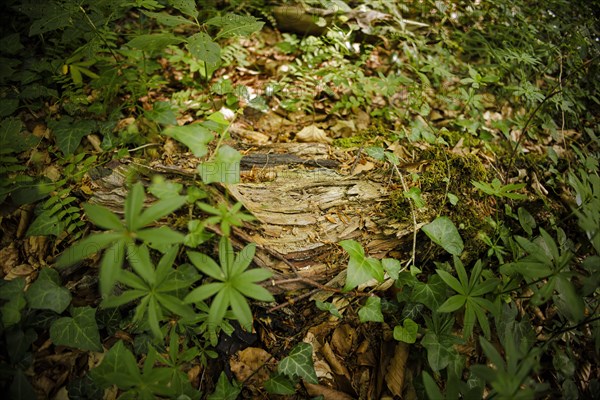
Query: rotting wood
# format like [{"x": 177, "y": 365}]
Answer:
[{"x": 301, "y": 211}]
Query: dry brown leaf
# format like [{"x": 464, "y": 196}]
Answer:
[
  {"x": 312, "y": 133},
  {"x": 365, "y": 355},
  {"x": 23, "y": 270},
  {"x": 251, "y": 361},
  {"x": 41, "y": 131},
  {"x": 396, "y": 369},
  {"x": 334, "y": 362},
  {"x": 95, "y": 142},
  {"x": 363, "y": 120},
  {"x": 344, "y": 128},
  {"x": 327, "y": 393},
  {"x": 9, "y": 258},
  {"x": 367, "y": 166},
  {"x": 343, "y": 339}
]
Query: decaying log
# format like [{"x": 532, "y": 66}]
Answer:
[{"x": 303, "y": 205}]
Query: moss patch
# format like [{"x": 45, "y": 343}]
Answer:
[{"x": 446, "y": 173}]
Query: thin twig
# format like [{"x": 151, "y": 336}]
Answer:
[{"x": 414, "y": 218}]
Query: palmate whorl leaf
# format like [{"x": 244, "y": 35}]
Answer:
[
  {"x": 243, "y": 260},
  {"x": 255, "y": 292},
  {"x": 103, "y": 217},
  {"x": 133, "y": 206},
  {"x": 86, "y": 247},
  {"x": 206, "y": 265},
  {"x": 160, "y": 209}
]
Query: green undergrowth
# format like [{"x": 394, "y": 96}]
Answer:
[{"x": 496, "y": 104}]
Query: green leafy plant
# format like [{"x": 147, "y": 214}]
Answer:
[
  {"x": 443, "y": 232},
  {"x": 509, "y": 379},
  {"x": 297, "y": 365},
  {"x": 224, "y": 216},
  {"x": 546, "y": 268},
  {"x": 361, "y": 268},
  {"x": 471, "y": 295},
  {"x": 233, "y": 283},
  {"x": 152, "y": 288},
  {"x": 496, "y": 188},
  {"x": 119, "y": 367},
  {"x": 122, "y": 233},
  {"x": 79, "y": 330}
]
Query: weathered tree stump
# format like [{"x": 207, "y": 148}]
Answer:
[{"x": 303, "y": 204}]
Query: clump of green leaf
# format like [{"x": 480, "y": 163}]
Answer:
[
  {"x": 471, "y": 295},
  {"x": 547, "y": 269},
  {"x": 496, "y": 188},
  {"x": 233, "y": 284},
  {"x": 121, "y": 233},
  {"x": 297, "y": 365},
  {"x": 224, "y": 216},
  {"x": 153, "y": 288},
  {"x": 119, "y": 367}
]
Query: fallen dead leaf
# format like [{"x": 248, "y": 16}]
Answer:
[
  {"x": 95, "y": 142},
  {"x": 312, "y": 133},
  {"x": 396, "y": 369},
  {"x": 327, "y": 393},
  {"x": 365, "y": 355},
  {"x": 251, "y": 362},
  {"x": 334, "y": 362},
  {"x": 41, "y": 131},
  {"x": 367, "y": 166},
  {"x": 344, "y": 128},
  {"x": 343, "y": 339},
  {"x": 9, "y": 258},
  {"x": 23, "y": 270},
  {"x": 53, "y": 173}
]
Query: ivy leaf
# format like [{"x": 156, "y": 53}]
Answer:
[
  {"x": 117, "y": 365},
  {"x": 13, "y": 292},
  {"x": 204, "y": 49},
  {"x": 224, "y": 168},
  {"x": 11, "y": 136},
  {"x": 18, "y": 343},
  {"x": 299, "y": 363},
  {"x": 225, "y": 390},
  {"x": 361, "y": 269},
  {"x": 280, "y": 384},
  {"x": 11, "y": 310},
  {"x": 46, "y": 293},
  {"x": 194, "y": 136},
  {"x": 414, "y": 193},
  {"x": 326, "y": 306},
  {"x": 443, "y": 232},
  {"x": 392, "y": 267},
  {"x": 376, "y": 152},
  {"x": 69, "y": 132},
  {"x": 439, "y": 352},
  {"x": 432, "y": 293},
  {"x": 371, "y": 311},
  {"x": 79, "y": 331},
  {"x": 407, "y": 332},
  {"x": 21, "y": 388}
]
